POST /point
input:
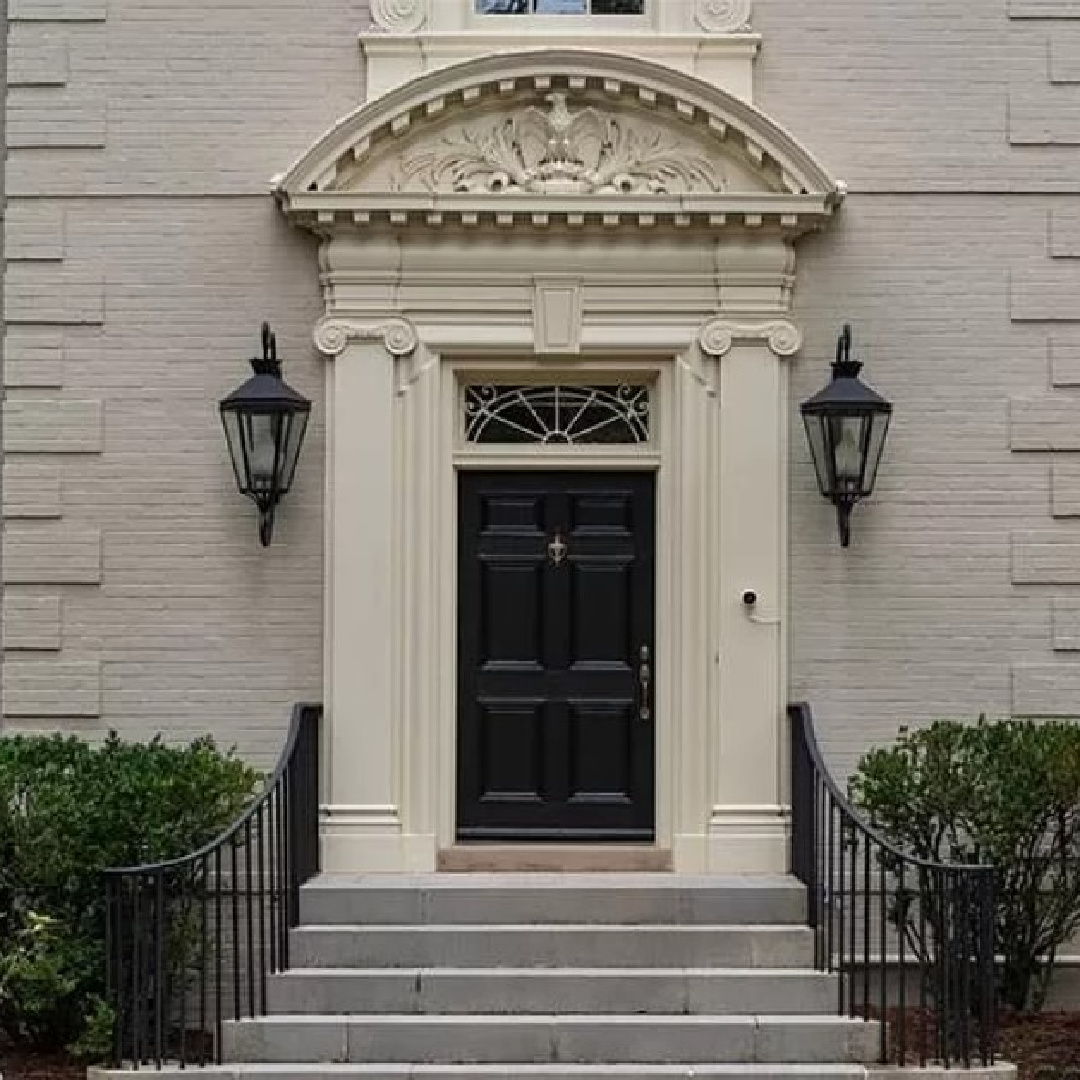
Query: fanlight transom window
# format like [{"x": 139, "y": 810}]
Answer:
[
  {"x": 560, "y": 7},
  {"x": 564, "y": 414}
]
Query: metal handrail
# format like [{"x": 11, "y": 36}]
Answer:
[
  {"x": 911, "y": 940},
  {"x": 190, "y": 941}
]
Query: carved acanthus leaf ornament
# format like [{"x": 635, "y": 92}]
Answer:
[{"x": 559, "y": 151}]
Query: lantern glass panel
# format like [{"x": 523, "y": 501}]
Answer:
[
  {"x": 292, "y": 436},
  {"x": 875, "y": 445},
  {"x": 819, "y": 451},
  {"x": 848, "y": 438},
  {"x": 237, "y": 454},
  {"x": 846, "y": 435},
  {"x": 262, "y": 436}
]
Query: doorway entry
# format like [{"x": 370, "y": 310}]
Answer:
[{"x": 556, "y": 656}]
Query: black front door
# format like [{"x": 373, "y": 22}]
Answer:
[{"x": 556, "y": 656}]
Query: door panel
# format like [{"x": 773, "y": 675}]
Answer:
[{"x": 556, "y": 608}]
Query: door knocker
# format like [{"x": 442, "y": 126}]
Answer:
[{"x": 557, "y": 550}]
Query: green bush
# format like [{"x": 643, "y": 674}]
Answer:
[
  {"x": 1004, "y": 792},
  {"x": 68, "y": 810}
]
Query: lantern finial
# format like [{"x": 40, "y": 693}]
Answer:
[
  {"x": 268, "y": 363},
  {"x": 844, "y": 367}
]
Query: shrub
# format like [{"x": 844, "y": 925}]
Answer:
[
  {"x": 1004, "y": 792},
  {"x": 67, "y": 811}
]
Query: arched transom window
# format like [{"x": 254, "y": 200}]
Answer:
[{"x": 559, "y": 414}]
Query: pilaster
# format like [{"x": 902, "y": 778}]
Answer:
[
  {"x": 747, "y": 827},
  {"x": 362, "y": 811}
]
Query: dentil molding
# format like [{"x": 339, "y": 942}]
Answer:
[
  {"x": 399, "y": 16},
  {"x": 717, "y": 336},
  {"x": 333, "y": 335},
  {"x": 723, "y": 16}
]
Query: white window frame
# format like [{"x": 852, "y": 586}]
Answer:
[
  {"x": 542, "y": 377},
  {"x": 554, "y": 23}
]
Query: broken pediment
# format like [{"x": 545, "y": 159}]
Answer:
[{"x": 577, "y": 134}]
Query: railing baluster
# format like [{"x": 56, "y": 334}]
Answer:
[
  {"x": 923, "y": 974},
  {"x": 820, "y": 807},
  {"x": 260, "y": 831},
  {"x": 883, "y": 957},
  {"x": 204, "y": 949},
  {"x": 112, "y": 953},
  {"x": 945, "y": 947},
  {"x": 987, "y": 961},
  {"x": 852, "y": 921},
  {"x": 867, "y": 896},
  {"x": 219, "y": 963},
  {"x": 234, "y": 895},
  {"x": 901, "y": 987},
  {"x": 283, "y": 880},
  {"x": 839, "y": 891},
  {"x": 830, "y": 882},
  {"x": 289, "y": 855},
  {"x": 138, "y": 1001},
  {"x": 964, "y": 911},
  {"x": 271, "y": 862},
  {"x": 182, "y": 962},
  {"x": 249, "y": 917}
]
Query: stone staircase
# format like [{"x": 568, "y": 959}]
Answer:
[{"x": 535, "y": 975}]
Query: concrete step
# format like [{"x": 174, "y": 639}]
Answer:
[
  {"x": 551, "y": 946},
  {"x": 552, "y": 898},
  {"x": 500, "y": 1071},
  {"x": 673, "y": 991},
  {"x": 551, "y": 1039}
]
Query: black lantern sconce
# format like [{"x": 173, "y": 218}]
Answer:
[
  {"x": 265, "y": 420},
  {"x": 846, "y": 425}
]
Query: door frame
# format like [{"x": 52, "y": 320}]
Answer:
[
  {"x": 645, "y": 544},
  {"x": 659, "y": 455}
]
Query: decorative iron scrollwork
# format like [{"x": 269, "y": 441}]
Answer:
[{"x": 557, "y": 414}]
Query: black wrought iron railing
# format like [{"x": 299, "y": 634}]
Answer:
[
  {"x": 911, "y": 941},
  {"x": 191, "y": 941}
]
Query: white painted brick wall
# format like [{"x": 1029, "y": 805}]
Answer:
[
  {"x": 956, "y": 259},
  {"x": 146, "y": 252}
]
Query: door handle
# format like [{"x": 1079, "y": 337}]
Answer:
[{"x": 645, "y": 684}]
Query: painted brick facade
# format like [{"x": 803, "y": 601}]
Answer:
[{"x": 143, "y": 250}]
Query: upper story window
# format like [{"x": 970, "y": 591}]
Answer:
[{"x": 560, "y": 7}]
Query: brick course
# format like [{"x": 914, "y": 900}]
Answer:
[{"x": 143, "y": 251}]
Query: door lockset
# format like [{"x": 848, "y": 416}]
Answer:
[{"x": 645, "y": 683}]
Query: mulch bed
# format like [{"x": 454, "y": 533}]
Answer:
[
  {"x": 1046, "y": 1046},
  {"x": 16, "y": 1065}
]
